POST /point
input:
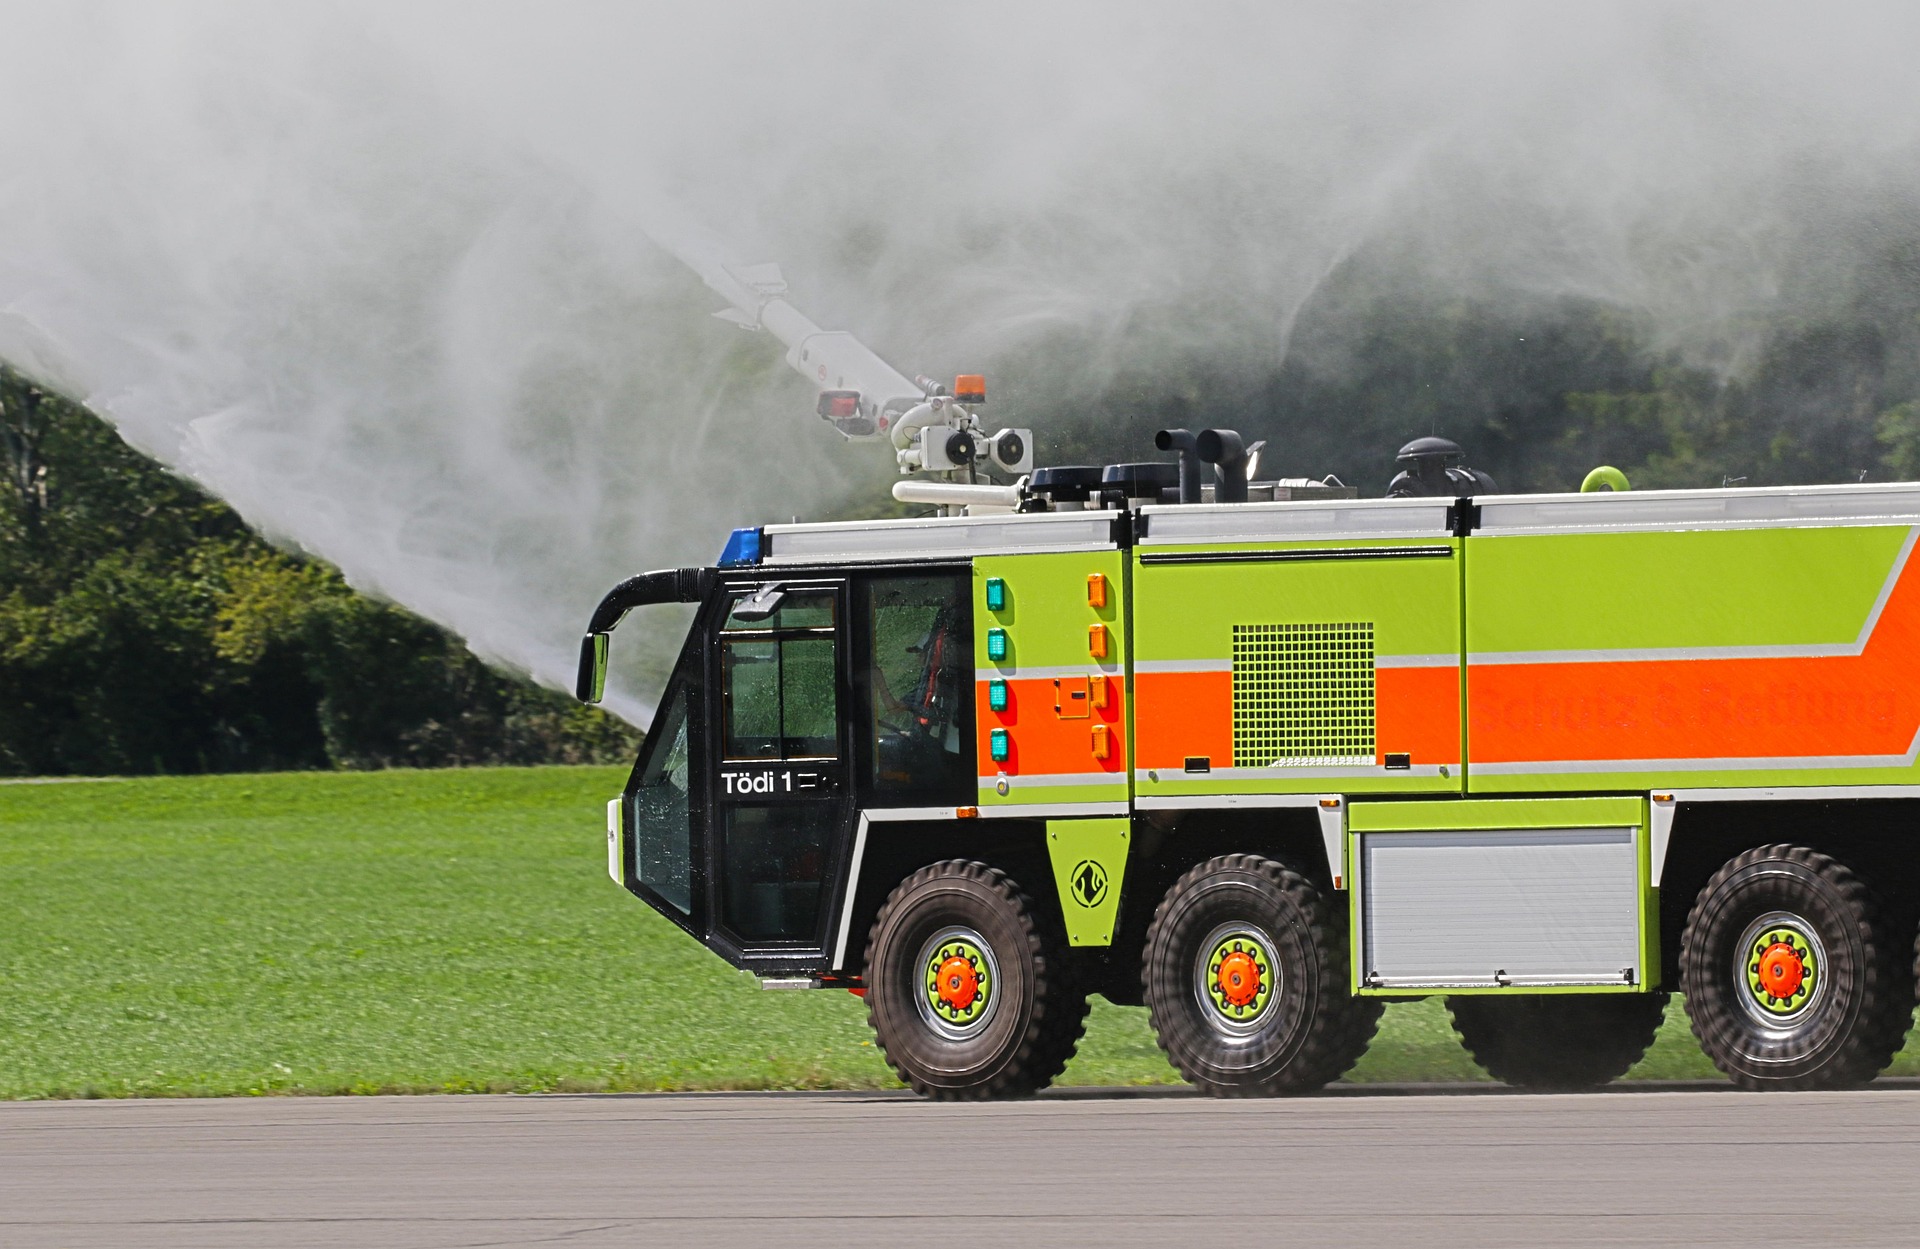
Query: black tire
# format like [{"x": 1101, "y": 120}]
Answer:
[
  {"x": 1306, "y": 1030},
  {"x": 1851, "y": 993},
  {"x": 1557, "y": 1043},
  {"x": 1013, "y": 1036}
]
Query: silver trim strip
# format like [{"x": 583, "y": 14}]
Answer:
[
  {"x": 1488, "y": 982},
  {"x": 1203, "y": 802},
  {"x": 1743, "y": 508},
  {"x": 1664, "y": 654},
  {"x": 1333, "y": 836},
  {"x": 932, "y": 538},
  {"x": 1323, "y": 519},
  {"x": 1170, "y": 666},
  {"x": 1445, "y": 659},
  {"x": 1013, "y": 672},
  {"x": 1660, "y": 818},
  {"x": 1045, "y": 810},
  {"x": 1794, "y": 793},
  {"x": 853, "y": 887}
]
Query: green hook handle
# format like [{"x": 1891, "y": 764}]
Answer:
[{"x": 1606, "y": 477}]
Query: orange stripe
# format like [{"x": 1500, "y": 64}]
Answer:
[
  {"x": 1041, "y": 743},
  {"x": 1417, "y": 713},
  {"x": 1179, "y": 714},
  {"x": 1707, "y": 708}
]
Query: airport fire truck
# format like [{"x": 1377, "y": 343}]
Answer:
[{"x": 1264, "y": 756}]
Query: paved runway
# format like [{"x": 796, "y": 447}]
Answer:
[{"x": 1475, "y": 1169}]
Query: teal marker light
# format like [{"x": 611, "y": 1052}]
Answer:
[
  {"x": 996, "y": 594},
  {"x": 997, "y": 695},
  {"x": 1001, "y": 745},
  {"x": 996, "y": 644}
]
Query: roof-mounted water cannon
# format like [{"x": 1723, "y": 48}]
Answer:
[
  {"x": 931, "y": 426},
  {"x": 942, "y": 434}
]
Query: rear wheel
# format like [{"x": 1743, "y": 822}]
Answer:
[
  {"x": 1793, "y": 976},
  {"x": 1246, "y": 981},
  {"x": 1557, "y": 1043},
  {"x": 967, "y": 996}
]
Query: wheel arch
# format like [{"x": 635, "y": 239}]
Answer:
[{"x": 1874, "y": 837}]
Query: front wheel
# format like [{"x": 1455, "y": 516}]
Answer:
[
  {"x": 1792, "y": 974},
  {"x": 1246, "y": 981},
  {"x": 1554, "y": 1042},
  {"x": 967, "y": 996}
]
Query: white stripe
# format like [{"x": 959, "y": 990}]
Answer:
[
  {"x": 853, "y": 884},
  {"x": 1093, "y": 667},
  {"x": 1748, "y": 764},
  {"x": 1055, "y": 810},
  {"x": 1446, "y": 659},
  {"x": 1143, "y": 666},
  {"x": 1201, "y": 802}
]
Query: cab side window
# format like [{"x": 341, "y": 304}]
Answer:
[
  {"x": 777, "y": 671},
  {"x": 915, "y": 684}
]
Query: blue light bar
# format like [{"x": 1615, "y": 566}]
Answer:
[{"x": 742, "y": 549}]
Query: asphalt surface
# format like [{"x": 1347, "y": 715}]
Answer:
[{"x": 1633, "y": 1167}]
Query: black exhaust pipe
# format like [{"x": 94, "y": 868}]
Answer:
[
  {"x": 1183, "y": 441},
  {"x": 1223, "y": 449}
]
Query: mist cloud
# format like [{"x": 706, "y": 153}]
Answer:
[{"x": 381, "y": 275}]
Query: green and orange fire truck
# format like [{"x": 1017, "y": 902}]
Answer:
[
  {"x": 1267, "y": 765},
  {"x": 1265, "y": 756}
]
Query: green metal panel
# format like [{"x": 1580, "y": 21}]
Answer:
[
  {"x": 1618, "y": 621},
  {"x": 1628, "y": 591},
  {"x": 1046, "y": 613},
  {"x": 1183, "y": 621},
  {"x": 1089, "y": 864},
  {"x": 1185, "y": 611},
  {"x": 1394, "y": 817},
  {"x": 1047, "y": 616}
]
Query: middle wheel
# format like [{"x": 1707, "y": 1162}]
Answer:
[{"x": 1246, "y": 981}]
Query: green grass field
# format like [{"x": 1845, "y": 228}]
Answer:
[{"x": 424, "y": 932}]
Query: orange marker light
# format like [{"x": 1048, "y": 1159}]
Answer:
[
  {"x": 970, "y": 388},
  {"x": 1097, "y": 688},
  {"x": 1097, "y": 641},
  {"x": 1102, "y": 741},
  {"x": 1096, "y": 589}
]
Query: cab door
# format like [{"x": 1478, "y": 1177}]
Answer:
[{"x": 780, "y": 791}]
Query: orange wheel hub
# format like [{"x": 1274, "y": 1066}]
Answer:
[
  {"x": 1781, "y": 971},
  {"x": 1239, "y": 979},
  {"x": 959, "y": 983}
]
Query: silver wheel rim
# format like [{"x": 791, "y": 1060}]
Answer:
[{"x": 930, "y": 957}]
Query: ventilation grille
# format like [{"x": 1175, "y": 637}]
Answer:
[{"x": 1302, "y": 694}]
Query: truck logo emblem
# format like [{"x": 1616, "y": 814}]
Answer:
[{"x": 1088, "y": 884}]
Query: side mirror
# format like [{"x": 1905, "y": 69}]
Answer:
[{"x": 591, "y": 684}]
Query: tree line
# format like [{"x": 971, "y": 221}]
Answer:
[{"x": 145, "y": 629}]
